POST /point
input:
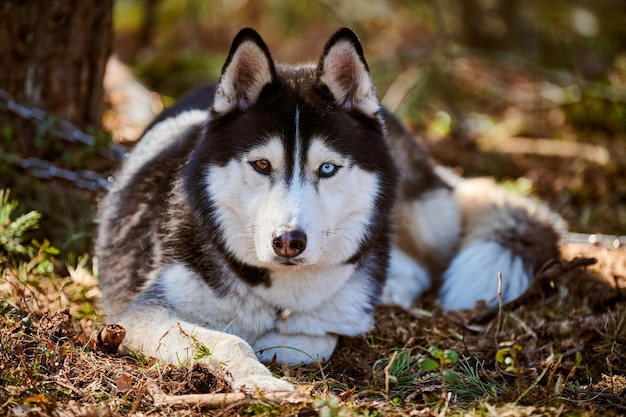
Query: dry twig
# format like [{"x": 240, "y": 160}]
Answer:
[
  {"x": 224, "y": 399},
  {"x": 499, "y": 310},
  {"x": 386, "y": 370}
]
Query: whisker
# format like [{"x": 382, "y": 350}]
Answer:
[{"x": 335, "y": 232}]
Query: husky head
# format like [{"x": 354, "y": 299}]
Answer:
[{"x": 293, "y": 170}]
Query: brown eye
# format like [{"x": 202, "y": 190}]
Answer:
[{"x": 262, "y": 166}]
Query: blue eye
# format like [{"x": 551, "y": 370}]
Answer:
[{"x": 328, "y": 169}]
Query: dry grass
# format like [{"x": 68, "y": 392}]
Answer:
[{"x": 560, "y": 352}]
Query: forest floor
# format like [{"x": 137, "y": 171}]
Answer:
[{"x": 562, "y": 351}]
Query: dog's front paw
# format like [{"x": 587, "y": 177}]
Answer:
[{"x": 253, "y": 383}]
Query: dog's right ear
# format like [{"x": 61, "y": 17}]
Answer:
[{"x": 248, "y": 68}]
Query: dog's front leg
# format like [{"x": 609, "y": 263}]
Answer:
[
  {"x": 428, "y": 232},
  {"x": 406, "y": 280},
  {"x": 155, "y": 331}
]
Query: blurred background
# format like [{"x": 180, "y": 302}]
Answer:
[{"x": 530, "y": 92}]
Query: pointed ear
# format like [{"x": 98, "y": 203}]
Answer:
[
  {"x": 248, "y": 68},
  {"x": 344, "y": 71}
]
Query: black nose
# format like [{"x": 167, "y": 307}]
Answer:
[{"x": 289, "y": 243}]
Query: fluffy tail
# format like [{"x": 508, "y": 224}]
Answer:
[{"x": 502, "y": 234}]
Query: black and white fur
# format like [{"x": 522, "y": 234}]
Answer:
[{"x": 261, "y": 215}]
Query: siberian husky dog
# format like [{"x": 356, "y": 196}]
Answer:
[{"x": 260, "y": 218}]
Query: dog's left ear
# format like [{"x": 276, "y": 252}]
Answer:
[
  {"x": 248, "y": 69},
  {"x": 344, "y": 71}
]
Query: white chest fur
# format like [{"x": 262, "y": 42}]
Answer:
[{"x": 321, "y": 301}]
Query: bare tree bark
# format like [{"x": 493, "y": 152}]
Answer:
[{"x": 53, "y": 55}]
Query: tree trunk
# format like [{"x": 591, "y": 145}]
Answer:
[{"x": 53, "y": 55}]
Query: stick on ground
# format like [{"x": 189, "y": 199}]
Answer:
[{"x": 224, "y": 399}]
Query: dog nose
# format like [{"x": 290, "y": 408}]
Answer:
[{"x": 289, "y": 243}]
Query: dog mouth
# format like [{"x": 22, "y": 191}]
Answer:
[{"x": 288, "y": 262}]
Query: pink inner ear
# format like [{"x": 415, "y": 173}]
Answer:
[
  {"x": 344, "y": 69},
  {"x": 340, "y": 72},
  {"x": 348, "y": 79},
  {"x": 247, "y": 75}
]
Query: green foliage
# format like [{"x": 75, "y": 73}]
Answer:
[
  {"x": 402, "y": 370},
  {"x": 509, "y": 357},
  {"x": 612, "y": 344},
  {"x": 262, "y": 409},
  {"x": 328, "y": 407},
  {"x": 598, "y": 112},
  {"x": 138, "y": 355},
  {"x": 475, "y": 382},
  {"x": 26, "y": 258},
  {"x": 427, "y": 364},
  {"x": 521, "y": 186},
  {"x": 445, "y": 357},
  {"x": 12, "y": 231},
  {"x": 11, "y": 314},
  {"x": 200, "y": 350},
  {"x": 29, "y": 279},
  {"x": 440, "y": 359}
]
